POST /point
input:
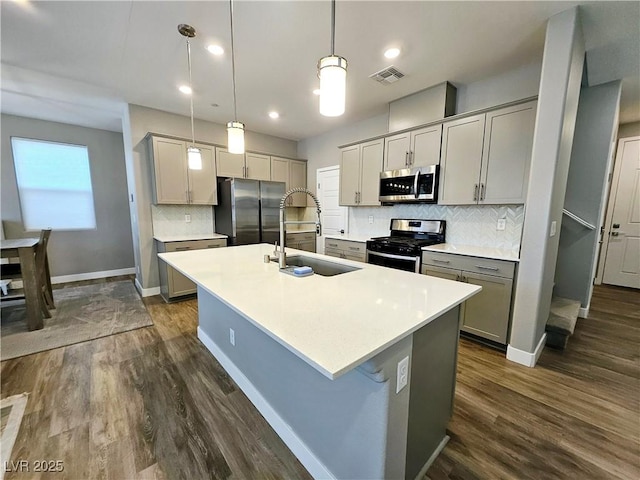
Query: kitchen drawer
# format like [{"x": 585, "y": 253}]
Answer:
[
  {"x": 331, "y": 243},
  {"x": 487, "y": 266},
  {"x": 195, "y": 245},
  {"x": 355, "y": 257},
  {"x": 333, "y": 252},
  {"x": 355, "y": 248},
  {"x": 292, "y": 237}
]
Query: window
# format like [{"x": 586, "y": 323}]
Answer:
[{"x": 54, "y": 184}]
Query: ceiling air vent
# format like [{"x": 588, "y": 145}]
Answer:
[{"x": 387, "y": 75}]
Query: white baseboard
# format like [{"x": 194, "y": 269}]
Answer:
[
  {"x": 527, "y": 359},
  {"x": 92, "y": 275},
  {"x": 77, "y": 277},
  {"x": 146, "y": 292},
  {"x": 312, "y": 463},
  {"x": 583, "y": 312}
]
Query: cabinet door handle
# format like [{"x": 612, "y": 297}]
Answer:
[
  {"x": 482, "y": 191},
  {"x": 411, "y": 158},
  {"x": 190, "y": 196},
  {"x": 181, "y": 249},
  {"x": 437, "y": 260},
  {"x": 246, "y": 172},
  {"x": 213, "y": 246},
  {"x": 354, "y": 248},
  {"x": 484, "y": 267},
  {"x": 475, "y": 192},
  {"x": 464, "y": 279},
  {"x": 406, "y": 159},
  {"x": 457, "y": 278}
]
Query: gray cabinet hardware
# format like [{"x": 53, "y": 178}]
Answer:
[{"x": 484, "y": 267}]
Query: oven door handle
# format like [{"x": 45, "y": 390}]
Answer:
[
  {"x": 389, "y": 255},
  {"x": 415, "y": 184}
]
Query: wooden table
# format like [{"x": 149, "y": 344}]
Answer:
[{"x": 25, "y": 250}]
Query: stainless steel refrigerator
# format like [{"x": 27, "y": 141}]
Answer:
[{"x": 248, "y": 210}]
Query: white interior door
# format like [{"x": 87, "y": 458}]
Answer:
[
  {"x": 333, "y": 217},
  {"x": 622, "y": 261}
]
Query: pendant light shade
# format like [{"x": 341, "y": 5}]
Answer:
[
  {"x": 235, "y": 137},
  {"x": 235, "y": 129},
  {"x": 332, "y": 71},
  {"x": 194, "y": 156}
]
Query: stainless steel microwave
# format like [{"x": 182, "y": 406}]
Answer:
[{"x": 410, "y": 185}]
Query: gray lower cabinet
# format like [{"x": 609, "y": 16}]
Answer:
[
  {"x": 348, "y": 249},
  {"x": 301, "y": 240},
  {"x": 172, "y": 283},
  {"x": 488, "y": 313}
]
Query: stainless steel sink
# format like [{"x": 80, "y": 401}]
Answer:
[{"x": 320, "y": 267}]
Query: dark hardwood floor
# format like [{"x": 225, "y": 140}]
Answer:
[{"x": 153, "y": 403}]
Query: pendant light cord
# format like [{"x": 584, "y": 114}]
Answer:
[
  {"x": 333, "y": 26},
  {"x": 193, "y": 137},
  {"x": 233, "y": 63}
]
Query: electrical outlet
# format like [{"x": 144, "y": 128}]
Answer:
[
  {"x": 232, "y": 337},
  {"x": 403, "y": 374},
  {"x": 552, "y": 232},
  {"x": 370, "y": 218},
  {"x": 502, "y": 224},
  {"x": 187, "y": 218}
]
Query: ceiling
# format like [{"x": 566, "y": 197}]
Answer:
[{"x": 81, "y": 62}]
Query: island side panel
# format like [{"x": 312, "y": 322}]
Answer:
[
  {"x": 344, "y": 424},
  {"x": 432, "y": 382}
]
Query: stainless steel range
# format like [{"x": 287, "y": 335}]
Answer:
[{"x": 403, "y": 248}]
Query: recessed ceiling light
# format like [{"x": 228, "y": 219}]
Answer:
[
  {"x": 316, "y": 91},
  {"x": 274, "y": 115},
  {"x": 186, "y": 89},
  {"x": 392, "y": 52},
  {"x": 215, "y": 49}
]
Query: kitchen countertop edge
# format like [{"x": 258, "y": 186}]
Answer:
[
  {"x": 511, "y": 255},
  {"x": 186, "y": 238}
]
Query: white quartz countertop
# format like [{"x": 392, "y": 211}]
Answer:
[
  {"x": 350, "y": 237},
  {"x": 186, "y": 238},
  {"x": 332, "y": 323},
  {"x": 473, "y": 251}
]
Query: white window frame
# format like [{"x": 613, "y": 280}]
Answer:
[{"x": 27, "y": 205}]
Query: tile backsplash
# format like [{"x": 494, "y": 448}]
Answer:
[
  {"x": 170, "y": 220},
  {"x": 466, "y": 225}
]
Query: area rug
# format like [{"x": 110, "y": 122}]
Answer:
[
  {"x": 81, "y": 314},
  {"x": 11, "y": 413}
]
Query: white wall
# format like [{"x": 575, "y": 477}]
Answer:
[
  {"x": 552, "y": 143},
  {"x": 322, "y": 151},
  {"x": 73, "y": 252},
  {"x": 593, "y": 142},
  {"x": 138, "y": 121}
]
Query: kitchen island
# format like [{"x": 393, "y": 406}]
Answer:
[{"x": 324, "y": 359}]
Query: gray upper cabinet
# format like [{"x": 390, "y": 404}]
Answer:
[
  {"x": 360, "y": 167},
  {"x": 174, "y": 182},
  {"x": 249, "y": 165},
  {"x": 506, "y": 155},
  {"x": 396, "y": 151},
  {"x": 257, "y": 166},
  {"x": 486, "y": 157},
  {"x": 229, "y": 164},
  {"x": 416, "y": 148},
  {"x": 461, "y": 160},
  {"x": 294, "y": 174}
]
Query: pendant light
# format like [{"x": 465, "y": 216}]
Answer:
[
  {"x": 194, "y": 157},
  {"x": 332, "y": 71},
  {"x": 235, "y": 129}
]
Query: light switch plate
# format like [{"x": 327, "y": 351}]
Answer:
[
  {"x": 403, "y": 374},
  {"x": 187, "y": 218},
  {"x": 552, "y": 232},
  {"x": 232, "y": 337},
  {"x": 370, "y": 218},
  {"x": 502, "y": 224}
]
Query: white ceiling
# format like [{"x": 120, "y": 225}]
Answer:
[{"x": 81, "y": 62}]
